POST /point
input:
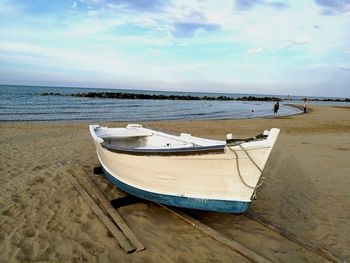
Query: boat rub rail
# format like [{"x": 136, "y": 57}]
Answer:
[{"x": 166, "y": 152}]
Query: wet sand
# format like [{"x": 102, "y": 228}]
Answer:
[{"x": 43, "y": 217}]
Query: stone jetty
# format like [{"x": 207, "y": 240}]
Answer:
[
  {"x": 120, "y": 95},
  {"x": 133, "y": 96}
]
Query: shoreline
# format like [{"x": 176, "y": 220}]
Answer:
[
  {"x": 42, "y": 216},
  {"x": 295, "y": 106},
  {"x": 300, "y": 107}
]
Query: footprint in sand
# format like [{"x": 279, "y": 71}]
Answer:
[
  {"x": 39, "y": 167},
  {"x": 15, "y": 239},
  {"x": 36, "y": 180},
  {"x": 30, "y": 232},
  {"x": 95, "y": 251}
]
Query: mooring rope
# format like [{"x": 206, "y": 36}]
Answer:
[{"x": 239, "y": 171}]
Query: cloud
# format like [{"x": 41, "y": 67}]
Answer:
[
  {"x": 246, "y": 4},
  {"x": 187, "y": 24},
  {"x": 328, "y": 66},
  {"x": 278, "y": 5},
  {"x": 41, "y": 7},
  {"x": 317, "y": 66},
  {"x": 343, "y": 67},
  {"x": 137, "y": 5},
  {"x": 188, "y": 29},
  {"x": 41, "y": 58},
  {"x": 243, "y": 5},
  {"x": 334, "y": 7},
  {"x": 254, "y": 51},
  {"x": 298, "y": 41},
  {"x": 8, "y": 8}
]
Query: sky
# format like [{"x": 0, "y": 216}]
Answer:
[{"x": 237, "y": 46}]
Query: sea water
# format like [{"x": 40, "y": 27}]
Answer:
[{"x": 23, "y": 103}]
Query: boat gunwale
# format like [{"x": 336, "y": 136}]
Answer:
[{"x": 196, "y": 150}]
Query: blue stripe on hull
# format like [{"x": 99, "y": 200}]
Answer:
[{"x": 237, "y": 207}]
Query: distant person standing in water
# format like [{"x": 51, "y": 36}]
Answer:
[
  {"x": 305, "y": 105},
  {"x": 276, "y": 108}
]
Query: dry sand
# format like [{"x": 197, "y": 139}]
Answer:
[{"x": 43, "y": 218}]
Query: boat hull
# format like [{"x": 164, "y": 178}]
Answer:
[
  {"x": 222, "y": 181},
  {"x": 236, "y": 207}
]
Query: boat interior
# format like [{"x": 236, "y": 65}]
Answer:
[{"x": 134, "y": 136}]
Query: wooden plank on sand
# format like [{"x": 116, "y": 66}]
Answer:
[
  {"x": 305, "y": 244},
  {"x": 242, "y": 250},
  {"x": 122, "y": 240},
  {"x": 93, "y": 189}
]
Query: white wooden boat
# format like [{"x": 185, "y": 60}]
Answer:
[{"x": 184, "y": 170}]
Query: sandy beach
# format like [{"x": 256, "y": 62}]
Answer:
[{"x": 43, "y": 218}]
